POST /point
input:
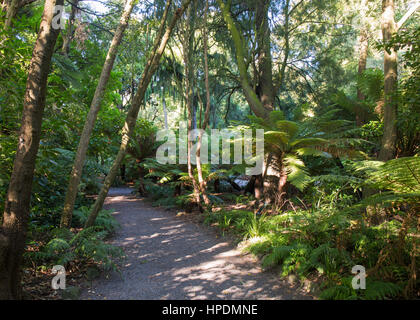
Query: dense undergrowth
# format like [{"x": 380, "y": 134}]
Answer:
[
  {"x": 323, "y": 245},
  {"x": 323, "y": 239},
  {"x": 78, "y": 247}
]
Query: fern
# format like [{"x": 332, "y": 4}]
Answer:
[
  {"x": 399, "y": 175},
  {"x": 328, "y": 260},
  {"x": 381, "y": 290},
  {"x": 104, "y": 220},
  {"x": 399, "y": 178},
  {"x": 277, "y": 256},
  {"x": 375, "y": 290},
  {"x": 87, "y": 245}
]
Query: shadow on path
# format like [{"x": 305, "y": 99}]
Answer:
[{"x": 169, "y": 258}]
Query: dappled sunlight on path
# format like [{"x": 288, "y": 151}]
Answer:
[{"x": 170, "y": 258}]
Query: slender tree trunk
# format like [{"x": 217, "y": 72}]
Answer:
[
  {"x": 151, "y": 66},
  {"x": 12, "y": 9},
  {"x": 188, "y": 49},
  {"x": 65, "y": 49},
  {"x": 16, "y": 211},
  {"x": 389, "y": 138},
  {"x": 194, "y": 111},
  {"x": 363, "y": 53},
  {"x": 286, "y": 44},
  {"x": 202, "y": 183},
  {"x": 165, "y": 111},
  {"x": 95, "y": 106},
  {"x": 280, "y": 187}
]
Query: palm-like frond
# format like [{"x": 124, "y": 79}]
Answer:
[
  {"x": 276, "y": 116},
  {"x": 288, "y": 127},
  {"x": 307, "y": 142},
  {"x": 258, "y": 122},
  {"x": 312, "y": 152},
  {"x": 399, "y": 175},
  {"x": 297, "y": 173},
  {"x": 276, "y": 137}
]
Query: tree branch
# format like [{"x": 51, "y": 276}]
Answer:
[{"x": 407, "y": 15}]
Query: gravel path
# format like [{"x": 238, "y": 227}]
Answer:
[{"x": 171, "y": 258}]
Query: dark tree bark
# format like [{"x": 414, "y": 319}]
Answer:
[
  {"x": 280, "y": 187},
  {"x": 65, "y": 49},
  {"x": 264, "y": 61},
  {"x": 389, "y": 138},
  {"x": 389, "y": 29},
  {"x": 16, "y": 211}
]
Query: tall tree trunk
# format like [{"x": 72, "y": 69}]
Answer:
[
  {"x": 363, "y": 53},
  {"x": 202, "y": 183},
  {"x": 286, "y": 44},
  {"x": 188, "y": 50},
  {"x": 280, "y": 187},
  {"x": 16, "y": 210},
  {"x": 12, "y": 9},
  {"x": 260, "y": 100},
  {"x": 130, "y": 121},
  {"x": 165, "y": 111},
  {"x": 389, "y": 138},
  {"x": 95, "y": 106},
  {"x": 389, "y": 29},
  {"x": 65, "y": 49},
  {"x": 265, "y": 89},
  {"x": 255, "y": 104}
]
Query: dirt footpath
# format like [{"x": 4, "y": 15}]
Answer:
[{"x": 172, "y": 258}]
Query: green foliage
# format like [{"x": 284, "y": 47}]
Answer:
[
  {"x": 325, "y": 242},
  {"x": 398, "y": 179},
  {"x": 160, "y": 195},
  {"x": 244, "y": 223},
  {"x": 375, "y": 290},
  {"x": 370, "y": 83},
  {"x": 400, "y": 175},
  {"x": 85, "y": 246},
  {"x": 287, "y": 141},
  {"x": 142, "y": 143},
  {"x": 163, "y": 172},
  {"x": 345, "y": 211},
  {"x": 104, "y": 220},
  {"x": 63, "y": 247}
]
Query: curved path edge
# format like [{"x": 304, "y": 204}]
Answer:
[{"x": 172, "y": 258}]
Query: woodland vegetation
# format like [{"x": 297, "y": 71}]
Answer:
[{"x": 334, "y": 84}]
